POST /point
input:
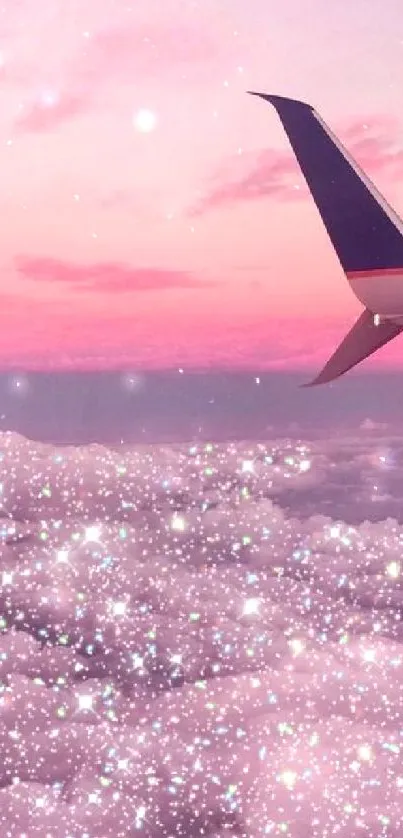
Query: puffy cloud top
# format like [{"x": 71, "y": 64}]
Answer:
[{"x": 188, "y": 647}]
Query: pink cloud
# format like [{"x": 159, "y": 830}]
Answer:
[
  {"x": 276, "y": 173},
  {"x": 380, "y": 124},
  {"x": 180, "y": 43},
  {"x": 121, "y": 54},
  {"x": 40, "y": 334},
  {"x": 379, "y": 154},
  {"x": 51, "y": 338},
  {"x": 271, "y": 172},
  {"x": 45, "y": 115},
  {"x": 105, "y": 277}
]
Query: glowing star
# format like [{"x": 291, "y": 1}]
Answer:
[
  {"x": 393, "y": 569},
  {"x": 40, "y": 802},
  {"x": 247, "y": 467},
  {"x": 296, "y": 646},
  {"x": 288, "y": 778},
  {"x": 118, "y": 608},
  {"x": 145, "y": 121},
  {"x": 140, "y": 815},
  {"x": 92, "y": 534},
  {"x": 251, "y": 606},
  {"x": 178, "y": 523},
  {"x": 62, "y": 556},
  {"x": 369, "y": 655},
  {"x": 132, "y": 382},
  {"x": 176, "y": 660},
  {"x": 123, "y": 764},
  {"x": 365, "y": 753},
  {"x": 85, "y": 702},
  {"x": 18, "y": 384},
  {"x": 137, "y": 661}
]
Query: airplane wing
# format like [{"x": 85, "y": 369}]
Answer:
[
  {"x": 360, "y": 342},
  {"x": 365, "y": 231}
]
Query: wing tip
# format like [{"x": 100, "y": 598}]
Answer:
[
  {"x": 279, "y": 101},
  {"x": 363, "y": 339},
  {"x": 314, "y": 383}
]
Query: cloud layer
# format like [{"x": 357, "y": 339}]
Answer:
[
  {"x": 43, "y": 115},
  {"x": 181, "y": 655},
  {"x": 105, "y": 277}
]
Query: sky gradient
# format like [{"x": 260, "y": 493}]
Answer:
[{"x": 153, "y": 213}]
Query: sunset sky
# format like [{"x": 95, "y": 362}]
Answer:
[{"x": 153, "y": 214}]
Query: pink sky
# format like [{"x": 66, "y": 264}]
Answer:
[{"x": 196, "y": 242}]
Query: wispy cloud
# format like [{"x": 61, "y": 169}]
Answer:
[
  {"x": 269, "y": 173},
  {"x": 272, "y": 173},
  {"x": 377, "y": 144},
  {"x": 115, "y": 55},
  {"x": 120, "y": 53},
  {"x": 47, "y": 114},
  {"x": 106, "y": 277}
]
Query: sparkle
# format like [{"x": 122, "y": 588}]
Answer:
[
  {"x": 178, "y": 523},
  {"x": 118, "y": 609},
  {"x": 185, "y": 649},
  {"x": 297, "y": 646},
  {"x": 288, "y": 778},
  {"x": 365, "y": 753},
  {"x": 85, "y": 702},
  {"x": 62, "y": 556},
  {"x": 393, "y": 569},
  {"x": 132, "y": 382},
  {"x": 145, "y": 120},
  {"x": 369, "y": 655},
  {"x": 92, "y": 534},
  {"x": 19, "y": 384},
  {"x": 251, "y": 606},
  {"x": 49, "y": 98}
]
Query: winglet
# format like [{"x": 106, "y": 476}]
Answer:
[
  {"x": 280, "y": 102},
  {"x": 366, "y": 233},
  {"x": 360, "y": 342}
]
